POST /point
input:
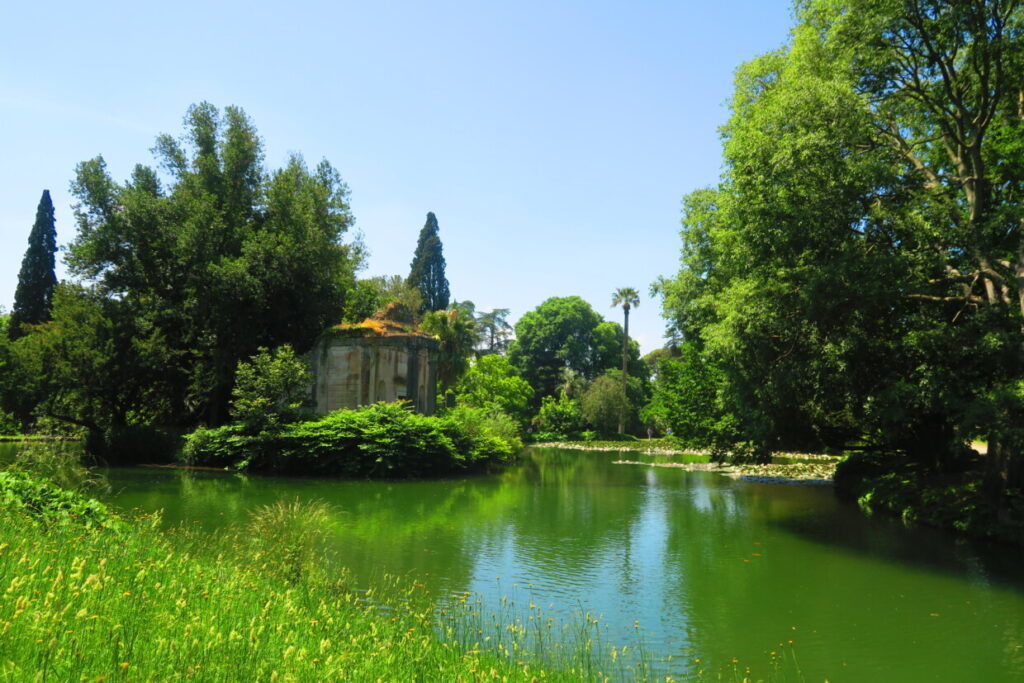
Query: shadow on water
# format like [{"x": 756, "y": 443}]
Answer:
[{"x": 843, "y": 525}]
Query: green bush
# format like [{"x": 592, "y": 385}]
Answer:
[
  {"x": 45, "y": 503},
  {"x": 59, "y": 462},
  {"x": 383, "y": 440},
  {"x": 271, "y": 389},
  {"x": 492, "y": 383},
  {"x": 559, "y": 419},
  {"x": 221, "y": 447}
]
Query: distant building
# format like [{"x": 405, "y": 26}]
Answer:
[{"x": 376, "y": 360}]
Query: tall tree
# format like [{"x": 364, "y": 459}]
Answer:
[
  {"x": 626, "y": 297},
  {"x": 426, "y": 273},
  {"x": 36, "y": 279},
  {"x": 859, "y": 269},
  {"x": 495, "y": 332},
  {"x": 218, "y": 256},
  {"x": 563, "y": 333}
]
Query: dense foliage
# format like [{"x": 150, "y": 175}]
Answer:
[
  {"x": 426, "y": 272},
  {"x": 492, "y": 383},
  {"x": 36, "y": 279},
  {"x": 608, "y": 406},
  {"x": 383, "y": 440},
  {"x": 684, "y": 399},
  {"x": 455, "y": 331},
  {"x": 184, "y": 270},
  {"x": 45, "y": 503},
  {"x": 558, "y": 419},
  {"x": 857, "y": 274},
  {"x": 565, "y": 334},
  {"x": 270, "y": 390}
]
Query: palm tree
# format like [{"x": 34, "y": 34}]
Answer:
[
  {"x": 627, "y": 298},
  {"x": 456, "y": 332}
]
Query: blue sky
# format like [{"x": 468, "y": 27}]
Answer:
[{"x": 553, "y": 140}]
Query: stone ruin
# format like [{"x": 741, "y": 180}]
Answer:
[{"x": 383, "y": 358}]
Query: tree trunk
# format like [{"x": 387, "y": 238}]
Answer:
[{"x": 625, "y": 368}]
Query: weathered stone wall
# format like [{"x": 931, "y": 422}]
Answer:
[{"x": 355, "y": 371}]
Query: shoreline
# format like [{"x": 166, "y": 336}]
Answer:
[
  {"x": 820, "y": 471},
  {"x": 754, "y": 473}
]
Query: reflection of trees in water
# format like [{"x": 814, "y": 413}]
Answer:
[
  {"x": 572, "y": 504},
  {"x": 748, "y": 583}
]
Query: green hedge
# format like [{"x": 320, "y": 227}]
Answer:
[{"x": 383, "y": 440}]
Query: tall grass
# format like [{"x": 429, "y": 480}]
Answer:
[
  {"x": 58, "y": 461},
  {"x": 246, "y": 604},
  {"x": 255, "y": 602}
]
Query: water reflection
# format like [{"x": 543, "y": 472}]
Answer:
[{"x": 710, "y": 567}]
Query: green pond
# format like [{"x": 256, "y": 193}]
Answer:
[{"x": 709, "y": 568}]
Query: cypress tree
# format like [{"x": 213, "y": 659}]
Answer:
[
  {"x": 36, "y": 278},
  {"x": 427, "y": 269}
]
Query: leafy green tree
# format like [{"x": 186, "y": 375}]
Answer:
[
  {"x": 493, "y": 382},
  {"x": 604, "y": 405},
  {"x": 626, "y": 297},
  {"x": 96, "y": 364},
  {"x": 271, "y": 389},
  {"x": 457, "y": 335},
  {"x": 854, "y": 271},
  {"x": 684, "y": 398},
  {"x": 608, "y": 344},
  {"x": 557, "y": 335},
  {"x": 36, "y": 279},
  {"x": 495, "y": 332},
  {"x": 373, "y": 294},
  {"x": 220, "y": 259},
  {"x": 8, "y": 422},
  {"x": 426, "y": 273}
]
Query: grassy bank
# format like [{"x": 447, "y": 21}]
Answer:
[
  {"x": 88, "y": 595},
  {"x": 138, "y": 605}
]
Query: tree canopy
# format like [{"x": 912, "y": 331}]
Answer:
[
  {"x": 566, "y": 334},
  {"x": 200, "y": 261},
  {"x": 858, "y": 270}
]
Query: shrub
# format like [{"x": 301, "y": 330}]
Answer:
[
  {"x": 558, "y": 419},
  {"x": 492, "y": 383},
  {"x": 43, "y": 502},
  {"x": 383, "y": 440},
  {"x": 8, "y": 424},
  {"x": 221, "y": 447},
  {"x": 57, "y": 461}
]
